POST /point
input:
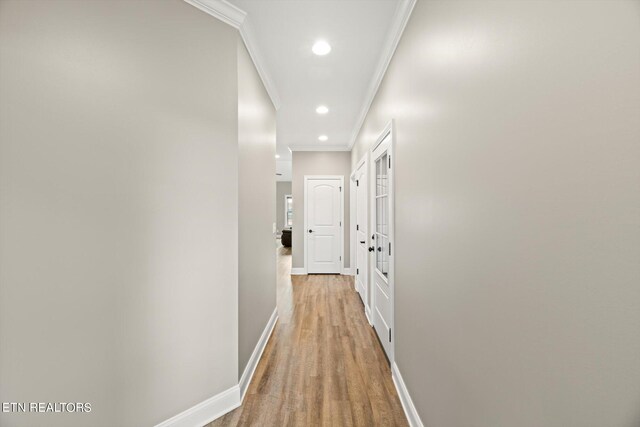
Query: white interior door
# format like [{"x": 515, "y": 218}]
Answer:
[
  {"x": 323, "y": 225},
  {"x": 362, "y": 233},
  {"x": 382, "y": 221}
]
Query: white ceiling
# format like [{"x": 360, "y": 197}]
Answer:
[{"x": 284, "y": 32}]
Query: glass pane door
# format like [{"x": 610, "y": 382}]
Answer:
[{"x": 382, "y": 215}]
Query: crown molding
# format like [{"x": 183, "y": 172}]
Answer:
[
  {"x": 248, "y": 38},
  {"x": 400, "y": 19},
  {"x": 319, "y": 148},
  {"x": 238, "y": 18},
  {"x": 222, "y": 10}
]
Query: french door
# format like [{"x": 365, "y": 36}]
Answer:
[{"x": 382, "y": 285}]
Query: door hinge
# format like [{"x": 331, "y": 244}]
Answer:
[
  {"x": 389, "y": 162},
  {"x": 340, "y": 189},
  {"x": 340, "y": 258},
  {"x": 357, "y": 227},
  {"x": 389, "y": 335},
  {"x": 357, "y": 271},
  {"x": 340, "y": 223},
  {"x": 389, "y": 248},
  {"x": 357, "y": 183}
]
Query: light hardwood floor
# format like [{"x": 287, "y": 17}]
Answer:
[{"x": 323, "y": 365}]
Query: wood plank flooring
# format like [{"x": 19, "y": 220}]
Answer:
[{"x": 323, "y": 365}]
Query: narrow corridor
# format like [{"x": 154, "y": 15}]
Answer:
[{"x": 323, "y": 364}]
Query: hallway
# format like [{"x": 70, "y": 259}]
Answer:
[
  {"x": 323, "y": 364},
  {"x": 274, "y": 213}
]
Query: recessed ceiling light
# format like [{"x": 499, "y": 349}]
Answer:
[
  {"x": 277, "y": 156},
  {"x": 322, "y": 109},
  {"x": 321, "y": 47},
  {"x": 323, "y": 137}
]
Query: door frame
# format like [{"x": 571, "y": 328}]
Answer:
[
  {"x": 364, "y": 161},
  {"x": 308, "y": 178},
  {"x": 389, "y": 130},
  {"x": 352, "y": 228}
]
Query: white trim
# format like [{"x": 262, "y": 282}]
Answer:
[
  {"x": 347, "y": 271},
  {"x": 342, "y": 221},
  {"x": 246, "y": 32},
  {"x": 238, "y": 18},
  {"x": 343, "y": 190},
  {"x": 252, "y": 364},
  {"x": 367, "y": 313},
  {"x": 352, "y": 227},
  {"x": 222, "y": 10},
  {"x": 389, "y": 130},
  {"x": 319, "y": 148},
  {"x": 298, "y": 271},
  {"x": 386, "y": 131},
  {"x": 403, "y": 13},
  {"x": 405, "y": 399},
  {"x": 228, "y": 400},
  {"x": 206, "y": 411},
  {"x": 364, "y": 161}
]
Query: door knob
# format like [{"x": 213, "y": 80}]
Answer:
[
  {"x": 310, "y": 231},
  {"x": 379, "y": 249},
  {"x": 371, "y": 249}
]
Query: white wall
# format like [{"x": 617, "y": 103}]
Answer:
[
  {"x": 316, "y": 163},
  {"x": 517, "y": 211},
  {"x": 257, "y": 196},
  {"x": 119, "y": 209}
]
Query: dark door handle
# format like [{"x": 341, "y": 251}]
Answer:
[
  {"x": 310, "y": 231},
  {"x": 379, "y": 249},
  {"x": 362, "y": 241},
  {"x": 371, "y": 249}
]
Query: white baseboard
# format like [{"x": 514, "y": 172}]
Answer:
[
  {"x": 207, "y": 411},
  {"x": 405, "y": 399},
  {"x": 228, "y": 400},
  {"x": 347, "y": 271},
  {"x": 367, "y": 314},
  {"x": 249, "y": 370}
]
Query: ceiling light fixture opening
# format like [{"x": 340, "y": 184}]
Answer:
[
  {"x": 321, "y": 48},
  {"x": 322, "y": 109},
  {"x": 323, "y": 137}
]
